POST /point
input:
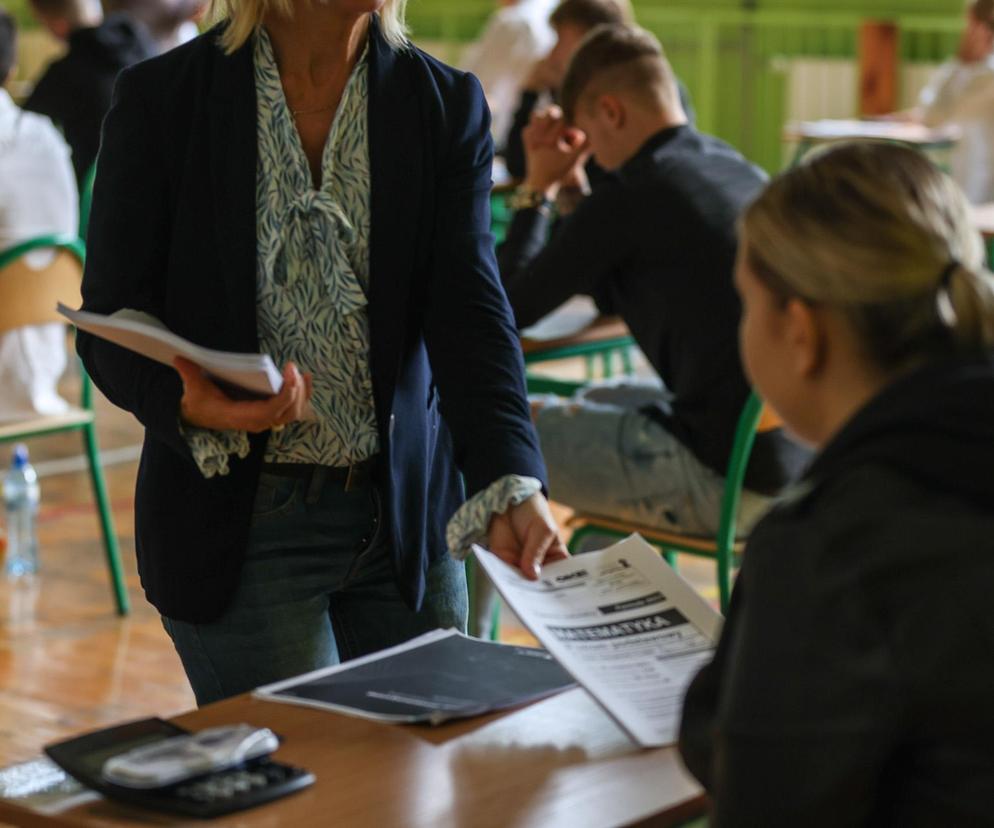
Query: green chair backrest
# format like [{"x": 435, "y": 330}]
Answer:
[
  {"x": 738, "y": 463},
  {"x": 70, "y": 244}
]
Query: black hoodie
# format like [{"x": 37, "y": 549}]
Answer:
[
  {"x": 75, "y": 91},
  {"x": 854, "y": 679}
]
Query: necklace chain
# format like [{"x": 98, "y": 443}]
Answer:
[{"x": 296, "y": 112}]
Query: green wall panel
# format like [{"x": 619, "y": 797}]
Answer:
[{"x": 733, "y": 58}]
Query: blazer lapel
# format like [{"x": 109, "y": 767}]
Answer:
[
  {"x": 395, "y": 142},
  {"x": 233, "y": 154}
]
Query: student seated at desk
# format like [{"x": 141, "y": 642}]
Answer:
[
  {"x": 37, "y": 198},
  {"x": 75, "y": 90},
  {"x": 962, "y": 93},
  {"x": 852, "y": 682},
  {"x": 657, "y": 238},
  {"x": 571, "y": 21}
]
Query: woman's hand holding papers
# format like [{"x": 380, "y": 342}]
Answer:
[
  {"x": 204, "y": 405},
  {"x": 526, "y": 536}
]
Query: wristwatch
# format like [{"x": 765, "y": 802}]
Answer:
[{"x": 525, "y": 198}]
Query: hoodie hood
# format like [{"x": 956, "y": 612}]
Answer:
[
  {"x": 116, "y": 43},
  {"x": 934, "y": 425}
]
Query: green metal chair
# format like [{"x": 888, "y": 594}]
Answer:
[
  {"x": 28, "y": 297},
  {"x": 724, "y": 548},
  {"x": 86, "y": 199}
]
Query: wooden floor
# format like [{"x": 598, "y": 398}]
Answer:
[{"x": 67, "y": 662}]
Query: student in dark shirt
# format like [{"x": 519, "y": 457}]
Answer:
[
  {"x": 75, "y": 91},
  {"x": 852, "y": 682},
  {"x": 571, "y": 21},
  {"x": 658, "y": 239}
]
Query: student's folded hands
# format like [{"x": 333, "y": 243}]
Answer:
[{"x": 553, "y": 150}]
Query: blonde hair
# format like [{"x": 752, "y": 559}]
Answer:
[
  {"x": 245, "y": 16},
  {"x": 878, "y": 233}
]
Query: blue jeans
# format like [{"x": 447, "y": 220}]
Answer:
[
  {"x": 317, "y": 587},
  {"x": 606, "y": 457}
]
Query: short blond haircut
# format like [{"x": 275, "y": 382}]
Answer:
[
  {"x": 245, "y": 16},
  {"x": 879, "y": 234}
]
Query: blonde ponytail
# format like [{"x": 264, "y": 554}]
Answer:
[{"x": 877, "y": 232}]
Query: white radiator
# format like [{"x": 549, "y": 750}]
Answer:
[{"x": 829, "y": 87}]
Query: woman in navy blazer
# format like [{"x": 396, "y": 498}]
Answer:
[{"x": 173, "y": 232}]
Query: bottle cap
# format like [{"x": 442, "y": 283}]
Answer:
[{"x": 20, "y": 456}]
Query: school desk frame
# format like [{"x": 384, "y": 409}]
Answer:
[{"x": 81, "y": 418}]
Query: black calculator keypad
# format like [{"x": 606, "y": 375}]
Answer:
[{"x": 232, "y": 790}]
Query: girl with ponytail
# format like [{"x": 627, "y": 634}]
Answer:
[{"x": 852, "y": 683}]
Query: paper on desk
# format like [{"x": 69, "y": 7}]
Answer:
[
  {"x": 628, "y": 628},
  {"x": 883, "y": 130},
  {"x": 146, "y": 335},
  {"x": 435, "y": 677},
  {"x": 42, "y": 786},
  {"x": 566, "y": 320}
]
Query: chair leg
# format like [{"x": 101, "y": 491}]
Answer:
[
  {"x": 627, "y": 363},
  {"x": 106, "y": 523},
  {"x": 495, "y": 620},
  {"x": 607, "y": 364},
  {"x": 725, "y": 555},
  {"x": 590, "y": 369}
]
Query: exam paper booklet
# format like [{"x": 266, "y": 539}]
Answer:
[
  {"x": 438, "y": 676},
  {"x": 628, "y": 628},
  {"x": 144, "y": 334},
  {"x": 567, "y": 320}
]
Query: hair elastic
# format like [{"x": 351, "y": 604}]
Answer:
[{"x": 943, "y": 299}]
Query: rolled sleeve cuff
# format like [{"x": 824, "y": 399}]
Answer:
[
  {"x": 470, "y": 524},
  {"x": 212, "y": 449}
]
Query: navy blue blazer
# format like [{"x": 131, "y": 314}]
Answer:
[{"x": 173, "y": 232}]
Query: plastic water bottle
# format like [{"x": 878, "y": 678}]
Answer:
[{"x": 21, "y": 496}]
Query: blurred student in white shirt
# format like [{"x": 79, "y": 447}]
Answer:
[
  {"x": 37, "y": 197},
  {"x": 517, "y": 35},
  {"x": 962, "y": 93}
]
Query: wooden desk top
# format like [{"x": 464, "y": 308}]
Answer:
[
  {"x": 983, "y": 219},
  {"x": 602, "y": 329},
  {"x": 904, "y": 131},
  {"x": 560, "y": 762}
]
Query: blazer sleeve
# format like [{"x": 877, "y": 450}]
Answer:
[
  {"x": 127, "y": 252},
  {"x": 472, "y": 344}
]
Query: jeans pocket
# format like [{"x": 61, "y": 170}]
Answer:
[
  {"x": 274, "y": 496},
  {"x": 371, "y": 547}
]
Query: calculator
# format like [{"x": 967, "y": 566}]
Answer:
[{"x": 250, "y": 783}]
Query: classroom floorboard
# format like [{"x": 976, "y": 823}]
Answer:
[{"x": 67, "y": 662}]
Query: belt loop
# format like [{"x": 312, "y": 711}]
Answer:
[
  {"x": 350, "y": 478},
  {"x": 316, "y": 485}
]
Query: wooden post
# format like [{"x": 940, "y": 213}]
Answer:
[{"x": 878, "y": 66}]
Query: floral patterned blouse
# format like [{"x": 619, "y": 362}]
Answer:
[{"x": 312, "y": 290}]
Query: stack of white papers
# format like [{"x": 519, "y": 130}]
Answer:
[
  {"x": 628, "y": 628},
  {"x": 144, "y": 334}
]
